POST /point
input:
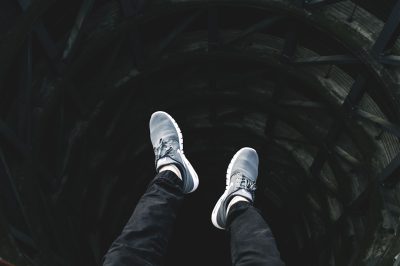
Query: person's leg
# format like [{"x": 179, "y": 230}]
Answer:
[
  {"x": 144, "y": 239},
  {"x": 252, "y": 242}
]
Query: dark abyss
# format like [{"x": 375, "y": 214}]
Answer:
[{"x": 312, "y": 85}]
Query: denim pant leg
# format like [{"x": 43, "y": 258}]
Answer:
[
  {"x": 252, "y": 242},
  {"x": 144, "y": 239}
]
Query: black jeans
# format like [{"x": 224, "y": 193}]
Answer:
[{"x": 144, "y": 239}]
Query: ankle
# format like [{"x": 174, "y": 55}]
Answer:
[
  {"x": 173, "y": 168},
  {"x": 235, "y": 200}
]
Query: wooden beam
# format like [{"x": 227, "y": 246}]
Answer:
[
  {"x": 259, "y": 26},
  {"x": 327, "y": 60},
  {"x": 85, "y": 9},
  {"x": 381, "y": 122}
]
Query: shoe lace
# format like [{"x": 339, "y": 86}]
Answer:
[
  {"x": 243, "y": 182},
  {"x": 165, "y": 148}
]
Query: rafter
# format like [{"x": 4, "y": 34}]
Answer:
[
  {"x": 391, "y": 174},
  {"x": 383, "y": 123},
  {"x": 176, "y": 32},
  {"x": 13, "y": 42},
  {"x": 22, "y": 237},
  {"x": 320, "y": 3},
  {"x": 344, "y": 155},
  {"x": 387, "y": 36},
  {"x": 85, "y": 9},
  {"x": 259, "y": 26},
  {"x": 302, "y": 104},
  {"x": 9, "y": 192},
  {"x": 353, "y": 97},
  {"x": 390, "y": 60},
  {"x": 42, "y": 34},
  {"x": 355, "y": 94},
  {"x": 389, "y": 31},
  {"x": 327, "y": 60},
  {"x": 322, "y": 154}
]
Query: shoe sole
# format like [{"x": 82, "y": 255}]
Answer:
[
  {"x": 193, "y": 173},
  {"x": 214, "y": 213}
]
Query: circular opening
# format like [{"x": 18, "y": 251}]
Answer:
[{"x": 257, "y": 74}]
